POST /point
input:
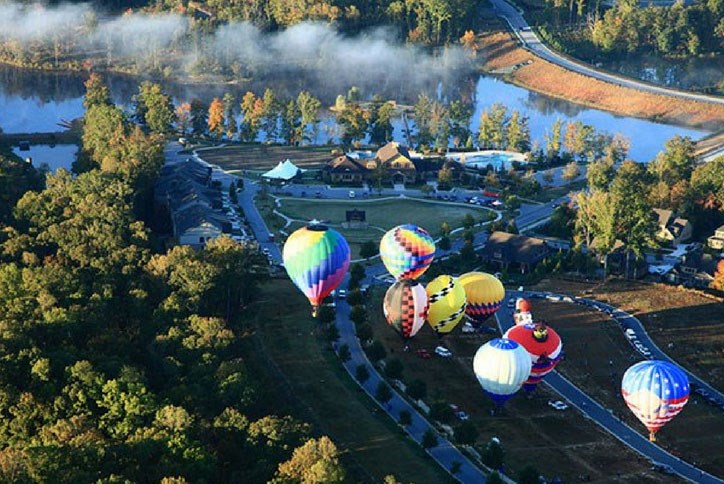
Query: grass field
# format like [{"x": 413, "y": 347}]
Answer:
[
  {"x": 500, "y": 50},
  {"x": 265, "y": 157},
  {"x": 597, "y": 355},
  {"x": 562, "y": 444},
  {"x": 381, "y": 214},
  {"x": 310, "y": 379},
  {"x": 384, "y": 213}
]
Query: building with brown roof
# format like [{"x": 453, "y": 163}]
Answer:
[
  {"x": 672, "y": 229},
  {"x": 345, "y": 169},
  {"x": 515, "y": 251}
]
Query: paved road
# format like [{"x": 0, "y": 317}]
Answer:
[
  {"x": 530, "y": 40},
  {"x": 444, "y": 453},
  {"x": 626, "y": 320},
  {"x": 605, "y": 418}
]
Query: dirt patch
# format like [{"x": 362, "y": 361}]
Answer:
[
  {"x": 562, "y": 444},
  {"x": 687, "y": 324},
  {"x": 265, "y": 157},
  {"x": 597, "y": 355},
  {"x": 499, "y": 49}
]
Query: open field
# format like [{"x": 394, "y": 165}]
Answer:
[
  {"x": 692, "y": 322},
  {"x": 598, "y": 354},
  {"x": 381, "y": 214},
  {"x": 562, "y": 444},
  {"x": 500, "y": 50},
  {"x": 384, "y": 213},
  {"x": 310, "y": 379},
  {"x": 265, "y": 157}
]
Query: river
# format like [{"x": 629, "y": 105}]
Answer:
[{"x": 32, "y": 101}]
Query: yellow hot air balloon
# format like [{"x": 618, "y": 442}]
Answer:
[
  {"x": 484, "y": 293},
  {"x": 447, "y": 304}
]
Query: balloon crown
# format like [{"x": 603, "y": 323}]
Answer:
[{"x": 540, "y": 333}]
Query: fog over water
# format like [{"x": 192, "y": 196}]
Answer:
[{"x": 308, "y": 56}]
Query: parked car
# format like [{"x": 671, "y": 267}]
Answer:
[
  {"x": 630, "y": 333},
  {"x": 342, "y": 293},
  {"x": 468, "y": 328},
  {"x": 558, "y": 405},
  {"x": 352, "y": 194},
  {"x": 318, "y": 194},
  {"x": 423, "y": 353},
  {"x": 443, "y": 352}
]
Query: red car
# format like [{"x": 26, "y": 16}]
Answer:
[{"x": 423, "y": 353}]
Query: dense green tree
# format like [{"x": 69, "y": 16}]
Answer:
[
  {"x": 154, "y": 108},
  {"x": 466, "y": 433}
]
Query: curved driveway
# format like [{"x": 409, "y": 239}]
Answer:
[
  {"x": 605, "y": 417},
  {"x": 531, "y": 41}
]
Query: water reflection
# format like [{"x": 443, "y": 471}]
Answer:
[
  {"x": 54, "y": 157},
  {"x": 32, "y": 101}
]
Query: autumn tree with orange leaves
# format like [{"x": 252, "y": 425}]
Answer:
[
  {"x": 718, "y": 282},
  {"x": 216, "y": 117}
]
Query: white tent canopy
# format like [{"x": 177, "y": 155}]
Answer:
[{"x": 285, "y": 170}]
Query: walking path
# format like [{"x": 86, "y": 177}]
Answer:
[{"x": 531, "y": 41}]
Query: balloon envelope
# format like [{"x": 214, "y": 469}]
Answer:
[
  {"x": 316, "y": 258},
  {"x": 484, "y": 293},
  {"x": 655, "y": 391},
  {"x": 407, "y": 251},
  {"x": 542, "y": 344},
  {"x": 501, "y": 366},
  {"x": 447, "y": 304},
  {"x": 405, "y": 307}
]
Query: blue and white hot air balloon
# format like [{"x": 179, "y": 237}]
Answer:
[
  {"x": 501, "y": 366},
  {"x": 655, "y": 391}
]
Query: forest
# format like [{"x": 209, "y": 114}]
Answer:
[{"x": 120, "y": 362}]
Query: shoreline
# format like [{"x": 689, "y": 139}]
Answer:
[{"x": 504, "y": 57}]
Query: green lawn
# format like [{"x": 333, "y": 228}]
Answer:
[
  {"x": 384, "y": 213},
  {"x": 380, "y": 213}
]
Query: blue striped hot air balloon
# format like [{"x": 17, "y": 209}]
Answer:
[{"x": 655, "y": 391}]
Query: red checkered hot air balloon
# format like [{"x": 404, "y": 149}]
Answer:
[{"x": 405, "y": 307}]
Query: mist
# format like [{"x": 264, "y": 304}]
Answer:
[{"x": 168, "y": 45}]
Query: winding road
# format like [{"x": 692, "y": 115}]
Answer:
[{"x": 531, "y": 41}]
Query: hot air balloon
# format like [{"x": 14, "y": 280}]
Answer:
[
  {"x": 405, "y": 307},
  {"x": 447, "y": 304},
  {"x": 522, "y": 313},
  {"x": 501, "y": 366},
  {"x": 484, "y": 293},
  {"x": 407, "y": 251},
  {"x": 655, "y": 391},
  {"x": 316, "y": 258},
  {"x": 542, "y": 344}
]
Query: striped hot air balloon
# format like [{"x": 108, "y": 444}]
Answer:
[
  {"x": 544, "y": 347},
  {"x": 484, "y": 293},
  {"x": 501, "y": 366},
  {"x": 447, "y": 304},
  {"x": 655, "y": 391},
  {"x": 316, "y": 258},
  {"x": 407, "y": 251},
  {"x": 405, "y": 307}
]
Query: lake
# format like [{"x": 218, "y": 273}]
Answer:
[
  {"x": 55, "y": 156},
  {"x": 32, "y": 101}
]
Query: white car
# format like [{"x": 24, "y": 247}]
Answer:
[
  {"x": 558, "y": 405},
  {"x": 352, "y": 194},
  {"x": 342, "y": 293},
  {"x": 468, "y": 328},
  {"x": 443, "y": 352},
  {"x": 630, "y": 333}
]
